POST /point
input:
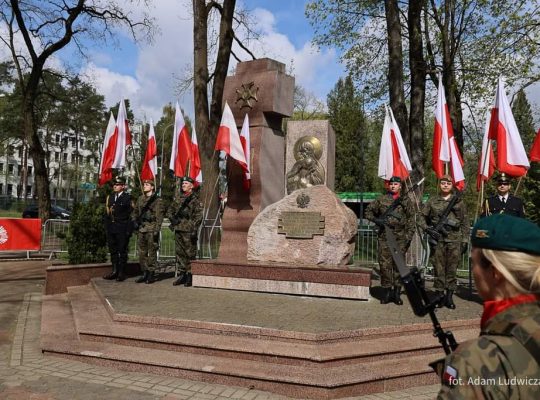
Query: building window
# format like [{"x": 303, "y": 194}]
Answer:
[
  {"x": 19, "y": 171},
  {"x": 10, "y": 168},
  {"x": 56, "y": 156},
  {"x": 9, "y": 189},
  {"x": 1, "y": 167},
  {"x": 81, "y": 143},
  {"x": 65, "y": 157},
  {"x": 29, "y": 170},
  {"x": 57, "y": 139},
  {"x": 73, "y": 142},
  {"x": 21, "y": 152}
]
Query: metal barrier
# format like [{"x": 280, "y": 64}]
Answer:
[{"x": 53, "y": 236}]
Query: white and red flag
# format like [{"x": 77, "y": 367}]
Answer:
[
  {"x": 246, "y": 145},
  {"x": 445, "y": 149},
  {"x": 486, "y": 164},
  {"x": 149, "y": 168},
  {"x": 107, "y": 154},
  {"x": 393, "y": 158},
  {"x": 511, "y": 156},
  {"x": 181, "y": 145},
  {"x": 228, "y": 139},
  {"x": 195, "y": 171},
  {"x": 123, "y": 137},
  {"x": 535, "y": 149}
]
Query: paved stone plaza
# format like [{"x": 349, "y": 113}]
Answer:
[{"x": 26, "y": 374}]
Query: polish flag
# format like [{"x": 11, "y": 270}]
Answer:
[
  {"x": 228, "y": 139},
  {"x": 149, "y": 168},
  {"x": 107, "y": 154},
  {"x": 486, "y": 164},
  {"x": 123, "y": 137},
  {"x": 246, "y": 143},
  {"x": 181, "y": 146},
  {"x": 511, "y": 156},
  {"x": 393, "y": 158},
  {"x": 445, "y": 149},
  {"x": 535, "y": 149},
  {"x": 196, "y": 171}
]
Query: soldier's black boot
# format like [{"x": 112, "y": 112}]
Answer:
[
  {"x": 142, "y": 278},
  {"x": 397, "y": 298},
  {"x": 439, "y": 294},
  {"x": 181, "y": 279},
  {"x": 387, "y": 296},
  {"x": 189, "y": 280},
  {"x": 449, "y": 301},
  {"x": 111, "y": 275},
  {"x": 151, "y": 277},
  {"x": 121, "y": 275}
]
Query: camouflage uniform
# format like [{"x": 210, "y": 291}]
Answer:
[
  {"x": 185, "y": 214},
  {"x": 446, "y": 254},
  {"x": 491, "y": 366},
  {"x": 149, "y": 226},
  {"x": 401, "y": 222}
]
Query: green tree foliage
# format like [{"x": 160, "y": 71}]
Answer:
[
  {"x": 347, "y": 118},
  {"x": 530, "y": 185},
  {"x": 87, "y": 242}
]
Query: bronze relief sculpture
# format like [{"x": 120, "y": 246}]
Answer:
[{"x": 307, "y": 170}]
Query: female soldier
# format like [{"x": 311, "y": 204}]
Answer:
[{"x": 503, "y": 362}]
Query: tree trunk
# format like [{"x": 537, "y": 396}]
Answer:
[
  {"x": 417, "y": 65},
  {"x": 395, "y": 67}
]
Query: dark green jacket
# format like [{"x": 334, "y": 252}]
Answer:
[
  {"x": 458, "y": 223},
  {"x": 152, "y": 218},
  {"x": 185, "y": 213},
  {"x": 401, "y": 220}
]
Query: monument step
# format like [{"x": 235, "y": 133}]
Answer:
[{"x": 94, "y": 324}]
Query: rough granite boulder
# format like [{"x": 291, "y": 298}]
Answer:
[{"x": 333, "y": 248}]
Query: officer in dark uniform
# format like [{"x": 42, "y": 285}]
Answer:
[
  {"x": 503, "y": 202},
  {"x": 118, "y": 227},
  {"x": 148, "y": 217},
  {"x": 185, "y": 214}
]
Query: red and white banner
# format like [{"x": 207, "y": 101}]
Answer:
[
  {"x": 445, "y": 149},
  {"x": 196, "y": 171},
  {"x": 228, "y": 139},
  {"x": 107, "y": 154},
  {"x": 246, "y": 145},
  {"x": 393, "y": 158},
  {"x": 123, "y": 137},
  {"x": 535, "y": 149},
  {"x": 149, "y": 167},
  {"x": 20, "y": 234},
  {"x": 486, "y": 164},
  {"x": 181, "y": 145},
  {"x": 511, "y": 156}
]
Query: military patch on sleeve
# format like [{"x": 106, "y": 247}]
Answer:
[
  {"x": 450, "y": 375},
  {"x": 482, "y": 233}
]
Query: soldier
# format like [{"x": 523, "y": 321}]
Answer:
[
  {"x": 147, "y": 218},
  {"x": 503, "y": 202},
  {"x": 451, "y": 240},
  {"x": 185, "y": 214},
  {"x": 502, "y": 363},
  {"x": 118, "y": 227},
  {"x": 401, "y": 222}
]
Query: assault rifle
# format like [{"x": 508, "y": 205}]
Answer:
[
  {"x": 439, "y": 230},
  {"x": 138, "y": 222},
  {"x": 175, "y": 219},
  {"x": 383, "y": 219}
]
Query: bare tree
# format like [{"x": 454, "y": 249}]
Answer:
[{"x": 46, "y": 27}]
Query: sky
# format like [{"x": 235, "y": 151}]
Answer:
[{"x": 147, "y": 74}]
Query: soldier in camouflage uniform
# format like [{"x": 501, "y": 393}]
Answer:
[
  {"x": 451, "y": 240},
  {"x": 401, "y": 222},
  {"x": 503, "y": 362},
  {"x": 185, "y": 214},
  {"x": 148, "y": 216}
]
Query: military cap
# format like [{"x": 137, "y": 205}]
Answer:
[
  {"x": 187, "y": 178},
  {"x": 506, "y": 232},
  {"x": 445, "y": 178},
  {"x": 119, "y": 180},
  {"x": 150, "y": 181},
  {"x": 395, "y": 179},
  {"x": 503, "y": 178}
]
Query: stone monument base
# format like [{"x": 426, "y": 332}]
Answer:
[{"x": 348, "y": 282}]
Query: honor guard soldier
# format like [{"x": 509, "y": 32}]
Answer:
[
  {"x": 401, "y": 221},
  {"x": 118, "y": 227},
  {"x": 147, "y": 220},
  {"x": 446, "y": 223},
  {"x": 503, "y": 202},
  {"x": 502, "y": 363},
  {"x": 185, "y": 214}
]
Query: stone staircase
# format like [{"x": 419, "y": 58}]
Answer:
[{"x": 81, "y": 324}]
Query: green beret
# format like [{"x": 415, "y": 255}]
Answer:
[
  {"x": 395, "y": 179},
  {"x": 505, "y": 232},
  {"x": 187, "y": 178}
]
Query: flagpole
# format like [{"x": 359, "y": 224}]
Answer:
[
  {"x": 136, "y": 166},
  {"x": 164, "y": 130},
  {"x": 518, "y": 185}
]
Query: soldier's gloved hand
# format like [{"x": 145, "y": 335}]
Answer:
[
  {"x": 433, "y": 234},
  {"x": 379, "y": 222}
]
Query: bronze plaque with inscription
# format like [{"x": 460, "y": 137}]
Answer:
[{"x": 301, "y": 225}]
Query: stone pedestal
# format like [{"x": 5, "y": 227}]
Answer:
[{"x": 264, "y": 85}]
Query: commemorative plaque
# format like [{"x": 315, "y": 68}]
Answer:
[{"x": 300, "y": 224}]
